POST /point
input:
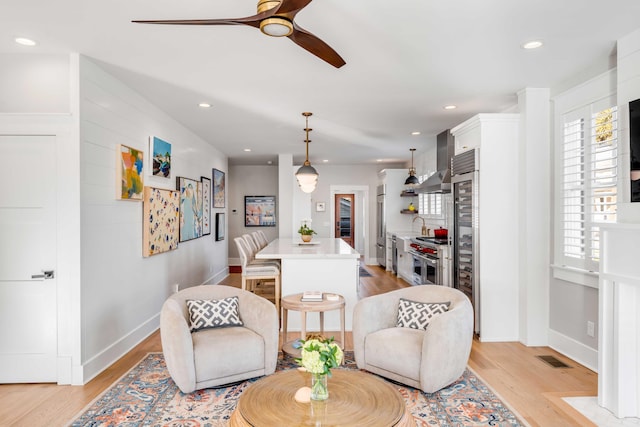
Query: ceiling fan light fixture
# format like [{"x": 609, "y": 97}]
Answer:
[
  {"x": 276, "y": 27},
  {"x": 307, "y": 176}
]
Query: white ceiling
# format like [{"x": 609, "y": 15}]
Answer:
[{"x": 406, "y": 59}]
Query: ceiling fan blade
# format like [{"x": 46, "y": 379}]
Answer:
[
  {"x": 253, "y": 21},
  {"x": 291, "y": 7},
  {"x": 313, "y": 44}
]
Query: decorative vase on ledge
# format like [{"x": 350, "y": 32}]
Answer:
[{"x": 306, "y": 237}]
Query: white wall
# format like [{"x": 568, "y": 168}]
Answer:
[
  {"x": 248, "y": 181},
  {"x": 573, "y": 297},
  {"x": 341, "y": 176},
  {"x": 34, "y": 83},
  {"x": 122, "y": 292},
  {"x": 628, "y": 90}
]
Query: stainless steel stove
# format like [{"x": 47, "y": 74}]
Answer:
[{"x": 427, "y": 265}]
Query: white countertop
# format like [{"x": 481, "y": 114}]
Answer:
[{"x": 319, "y": 247}]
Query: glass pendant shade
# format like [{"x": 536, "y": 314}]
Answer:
[{"x": 307, "y": 176}]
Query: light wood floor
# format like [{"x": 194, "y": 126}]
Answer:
[{"x": 531, "y": 387}]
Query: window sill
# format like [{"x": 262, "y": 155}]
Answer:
[{"x": 576, "y": 275}]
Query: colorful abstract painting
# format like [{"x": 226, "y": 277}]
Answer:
[
  {"x": 190, "y": 208},
  {"x": 259, "y": 211},
  {"x": 218, "y": 189},
  {"x": 160, "y": 157},
  {"x": 161, "y": 216},
  {"x": 130, "y": 182},
  {"x": 206, "y": 205}
]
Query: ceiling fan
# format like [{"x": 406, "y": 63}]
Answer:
[{"x": 274, "y": 18}]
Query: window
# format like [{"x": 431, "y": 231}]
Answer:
[
  {"x": 430, "y": 205},
  {"x": 589, "y": 181}
]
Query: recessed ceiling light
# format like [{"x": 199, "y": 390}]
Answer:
[
  {"x": 415, "y": 133},
  {"x": 204, "y": 105},
  {"x": 269, "y": 162},
  {"x": 247, "y": 149},
  {"x": 378, "y": 160},
  {"x": 533, "y": 44},
  {"x": 24, "y": 41},
  {"x": 325, "y": 160},
  {"x": 450, "y": 107}
]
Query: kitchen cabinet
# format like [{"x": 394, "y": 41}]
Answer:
[
  {"x": 496, "y": 216},
  {"x": 405, "y": 260},
  {"x": 394, "y": 203}
]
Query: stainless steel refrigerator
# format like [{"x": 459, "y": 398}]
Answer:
[
  {"x": 381, "y": 229},
  {"x": 466, "y": 263}
]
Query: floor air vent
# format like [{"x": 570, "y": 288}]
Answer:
[{"x": 553, "y": 361}]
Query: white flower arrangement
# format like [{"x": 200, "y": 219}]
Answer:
[{"x": 318, "y": 356}]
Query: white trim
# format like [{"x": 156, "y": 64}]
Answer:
[
  {"x": 576, "y": 275},
  {"x": 84, "y": 373},
  {"x": 347, "y": 189},
  {"x": 218, "y": 277},
  {"x": 64, "y": 127},
  {"x": 574, "y": 350}
]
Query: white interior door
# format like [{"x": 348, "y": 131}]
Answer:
[{"x": 28, "y": 326}]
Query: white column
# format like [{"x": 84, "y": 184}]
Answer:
[
  {"x": 534, "y": 208},
  {"x": 619, "y": 330},
  {"x": 284, "y": 200}
]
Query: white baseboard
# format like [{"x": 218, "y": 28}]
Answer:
[
  {"x": 217, "y": 278},
  {"x": 90, "y": 369},
  {"x": 371, "y": 261},
  {"x": 574, "y": 350}
]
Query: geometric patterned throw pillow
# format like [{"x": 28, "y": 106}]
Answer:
[
  {"x": 213, "y": 313},
  {"x": 417, "y": 315}
]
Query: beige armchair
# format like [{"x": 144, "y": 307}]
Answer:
[
  {"x": 428, "y": 359},
  {"x": 211, "y": 357}
]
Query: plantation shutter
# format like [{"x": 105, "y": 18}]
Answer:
[{"x": 589, "y": 181}]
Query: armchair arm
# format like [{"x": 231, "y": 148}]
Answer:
[
  {"x": 369, "y": 315},
  {"x": 446, "y": 347},
  {"x": 177, "y": 345},
  {"x": 261, "y": 316}
]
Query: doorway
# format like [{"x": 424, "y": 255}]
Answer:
[
  {"x": 345, "y": 217},
  {"x": 28, "y": 291}
]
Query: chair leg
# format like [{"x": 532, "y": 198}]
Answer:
[{"x": 277, "y": 295}]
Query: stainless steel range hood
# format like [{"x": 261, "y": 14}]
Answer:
[{"x": 440, "y": 182}]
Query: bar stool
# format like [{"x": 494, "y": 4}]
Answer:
[{"x": 254, "y": 272}]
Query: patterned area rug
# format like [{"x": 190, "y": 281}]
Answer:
[{"x": 147, "y": 396}]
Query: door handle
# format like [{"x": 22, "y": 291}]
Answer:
[{"x": 48, "y": 274}]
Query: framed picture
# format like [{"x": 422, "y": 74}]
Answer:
[
  {"x": 161, "y": 217},
  {"x": 320, "y": 207},
  {"x": 160, "y": 157},
  {"x": 218, "y": 189},
  {"x": 129, "y": 176},
  {"x": 219, "y": 226},
  {"x": 259, "y": 211},
  {"x": 190, "y": 208},
  {"x": 206, "y": 205}
]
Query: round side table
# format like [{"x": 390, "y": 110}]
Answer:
[{"x": 292, "y": 302}]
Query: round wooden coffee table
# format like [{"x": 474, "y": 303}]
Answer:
[{"x": 355, "y": 398}]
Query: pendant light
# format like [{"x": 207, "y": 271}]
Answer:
[
  {"x": 412, "y": 179},
  {"x": 307, "y": 176}
]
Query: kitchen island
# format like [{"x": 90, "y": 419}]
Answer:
[{"x": 324, "y": 264}]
